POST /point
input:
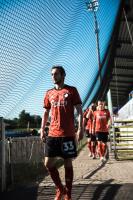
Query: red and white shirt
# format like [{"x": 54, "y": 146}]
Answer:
[
  {"x": 101, "y": 118},
  {"x": 61, "y": 103},
  {"x": 89, "y": 124}
]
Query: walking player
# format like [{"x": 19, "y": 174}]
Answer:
[
  {"x": 60, "y": 101},
  {"x": 101, "y": 125}
]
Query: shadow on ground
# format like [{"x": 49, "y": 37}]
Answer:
[{"x": 104, "y": 191}]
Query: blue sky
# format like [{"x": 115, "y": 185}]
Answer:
[{"x": 38, "y": 34}]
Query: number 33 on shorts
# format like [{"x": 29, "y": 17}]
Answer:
[{"x": 68, "y": 146}]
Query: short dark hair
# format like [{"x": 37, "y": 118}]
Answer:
[{"x": 62, "y": 70}]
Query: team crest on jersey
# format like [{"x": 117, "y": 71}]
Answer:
[{"x": 66, "y": 95}]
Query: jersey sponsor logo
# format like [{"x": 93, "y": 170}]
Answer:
[
  {"x": 58, "y": 103},
  {"x": 101, "y": 117}
]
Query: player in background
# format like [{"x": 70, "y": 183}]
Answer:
[
  {"x": 101, "y": 124},
  {"x": 88, "y": 126}
]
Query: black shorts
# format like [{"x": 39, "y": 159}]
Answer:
[
  {"x": 102, "y": 136},
  {"x": 90, "y": 135},
  {"x": 64, "y": 147}
]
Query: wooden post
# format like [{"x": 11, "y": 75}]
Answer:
[{"x": 3, "y": 167}]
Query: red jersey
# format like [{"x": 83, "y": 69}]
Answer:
[
  {"x": 101, "y": 118},
  {"x": 62, "y": 102},
  {"x": 89, "y": 120}
]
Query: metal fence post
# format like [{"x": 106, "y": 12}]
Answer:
[
  {"x": 3, "y": 157},
  {"x": 112, "y": 119}
]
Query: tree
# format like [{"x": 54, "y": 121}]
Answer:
[{"x": 24, "y": 118}]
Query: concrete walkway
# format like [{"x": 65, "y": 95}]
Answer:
[{"x": 92, "y": 181}]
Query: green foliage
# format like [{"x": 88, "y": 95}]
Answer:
[{"x": 25, "y": 120}]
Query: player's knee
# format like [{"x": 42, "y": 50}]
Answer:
[{"x": 48, "y": 163}]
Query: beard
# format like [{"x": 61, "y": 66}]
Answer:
[{"x": 57, "y": 81}]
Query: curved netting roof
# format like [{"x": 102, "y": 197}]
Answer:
[{"x": 40, "y": 33}]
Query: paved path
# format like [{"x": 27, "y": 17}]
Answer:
[{"x": 92, "y": 181}]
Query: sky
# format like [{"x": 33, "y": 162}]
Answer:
[{"x": 35, "y": 35}]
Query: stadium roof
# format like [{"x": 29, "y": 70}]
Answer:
[
  {"x": 121, "y": 83},
  {"x": 119, "y": 75}
]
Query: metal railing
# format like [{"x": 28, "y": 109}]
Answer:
[{"x": 122, "y": 146}]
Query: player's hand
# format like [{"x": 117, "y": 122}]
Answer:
[
  {"x": 43, "y": 135},
  {"x": 108, "y": 126}
]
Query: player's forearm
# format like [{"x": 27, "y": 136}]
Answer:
[
  {"x": 80, "y": 121},
  {"x": 80, "y": 117},
  {"x": 88, "y": 115},
  {"x": 80, "y": 127},
  {"x": 44, "y": 121}
]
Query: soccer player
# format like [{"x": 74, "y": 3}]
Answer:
[
  {"x": 101, "y": 125},
  {"x": 88, "y": 124},
  {"x": 61, "y": 101}
]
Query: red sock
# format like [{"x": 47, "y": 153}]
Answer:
[
  {"x": 100, "y": 151},
  {"x": 55, "y": 177},
  {"x": 89, "y": 146},
  {"x": 69, "y": 179},
  {"x": 103, "y": 149},
  {"x": 94, "y": 149}
]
